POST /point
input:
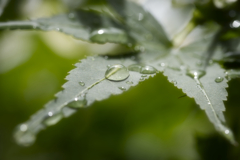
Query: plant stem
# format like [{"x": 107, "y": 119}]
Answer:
[{"x": 180, "y": 37}]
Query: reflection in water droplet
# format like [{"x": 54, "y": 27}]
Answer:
[
  {"x": 117, "y": 72},
  {"x": 122, "y": 88},
  {"x": 144, "y": 76},
  {"x": 77, "y": 103},
  {"x": 141, "y": 79},
  {"x": 52, "y": 118},
  {"x": 219, "y": 79},
  {"x": 23, "y": 136},
  {"x": 129, "y": 82},
  {"x": 81, "y": 83},
  {"x": 140, "y": 16},
  {"x": 196, "y": 74}
]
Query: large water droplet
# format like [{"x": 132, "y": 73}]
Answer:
[
  {"x": 148, "y": 70},
  {"x": 77, "y": 103},
  {"x": 52, "y": 119},
  {"x": 219, "y": 79},
  {"x": 23, "y": 136},
  {"x": 109, "y": 34},
  {"x": 81, "y": 83},
  {"x": 196, "y": 74},
  {"x": 117, "y": 72},
  {"x": 122, "y": 88}
]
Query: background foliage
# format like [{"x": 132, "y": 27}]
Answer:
[{"x": 149, "y": 121}]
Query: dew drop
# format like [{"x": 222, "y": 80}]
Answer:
[
  {"x": 135, "y": 67},
  {"x": 122, "y": 88},
  {"x": 117, "y": 72},
  {"x": 129, "y": 82},
  {"x": 81, "y": 83},
  {"x": 196, "y": 74},
  {"x": 219, "y": 79},
  {"x": 52, "y": 119},
  {"x": 174, "y": 82},
  {"x": 23, "y": 136},
  {"x": 77, "y": 103},
  {"x": 148, "y": 70}
]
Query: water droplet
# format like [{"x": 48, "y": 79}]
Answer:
[
  {"x": 141, "y": 79},
  {"x": 144, "y": 76},
  {"x": 104, "y": 35},
  {"x": 143, "y": 69},
  {"x": 140, "y": 16},
  {"x": 135, "y": 67},
  {"x": 196, "y": 74},
  {"x": 72, "y": 16},
  {"x": 117, "y": 72},
  {"x": 77, "y": 103},
  {"x": 81, "y": 83},
  {"x": 174, "y": 82},
  {"x": 148, "y": 70},
  {"x": 23, "y": 136},
  {"x": 219, "y": 79},
  {"x": 52, "y": 119},
  {"x": 108, "y": 66},
  {"x": 122, "y": 88},
  {"x": 129, "y": 82}
]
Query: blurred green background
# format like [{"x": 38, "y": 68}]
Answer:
[{"x": 148, "y": 122}]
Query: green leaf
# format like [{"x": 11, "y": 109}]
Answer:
[
  {"x": 86, "y": 84},
  {"x": 85, "y": 25}
]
